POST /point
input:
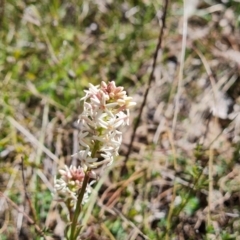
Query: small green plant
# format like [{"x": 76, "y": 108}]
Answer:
[{"x": 106, "y": 110}]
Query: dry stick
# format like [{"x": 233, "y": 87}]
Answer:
[
  {"x": 210, "y": 162},
  {"x": 32, "y": 139},
  {"x": 30, "y": 220},
  {"x": 176, "y": 111},
  {"x": 180, "y": 77},
  {"x": 130, "y": 223},
  {"x": 209, "y": 73},
  {"x": 5, "y": 224},
  {"x": 26, "y": 194},
  {"x": 210, "y": 186},
  {"x": 137, "y": 175},
  {"x": 171, "y": 140},
  {"x": 107, "y": 231},
  {"x": 149, "y": 80},
  {"x": 171, "y": 208}
]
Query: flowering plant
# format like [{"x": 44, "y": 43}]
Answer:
[{"x": 105, "y": 111}]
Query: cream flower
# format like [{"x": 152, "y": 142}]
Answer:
[
  {"x": 68, "y": 186},
  {"x": 106, "y": 111}
]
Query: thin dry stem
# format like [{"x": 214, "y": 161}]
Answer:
[
  {"x": 131, "y": 224},
  {"x": 180, "y": 76},
  {"x": 26, "y": 194},
  {"x": 170, "y": 213},
  {"x": 151, "y": 77},
  {"x": 210, "y": 185},
  {"x": 30, "y": 220},
  {"x": 32, "y": 139}
]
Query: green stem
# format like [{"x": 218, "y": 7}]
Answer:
[
  {"x": 73, "y": 235},
  {"x": 79, "y": 206}
]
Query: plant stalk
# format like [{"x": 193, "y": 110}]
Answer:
[{"x": 79, "y": 206}]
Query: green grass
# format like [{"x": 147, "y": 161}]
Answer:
[{"x": 51, "y": 50}]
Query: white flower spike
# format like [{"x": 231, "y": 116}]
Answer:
[{"x": 106, "y": 110}]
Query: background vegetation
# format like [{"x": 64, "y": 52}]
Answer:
[{"x": 181, "y": 180}]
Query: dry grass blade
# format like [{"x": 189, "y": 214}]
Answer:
[
  {"x": 130, "y": 223},
  {"x": 30, "y": 220},
  {"x": 32, "y": 139},
  {"x": 155, "y": 56},
  {"x": 178, "y": 174}
]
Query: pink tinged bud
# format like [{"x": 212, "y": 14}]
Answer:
[
  {"x": 71, "y": 181},
  {"x": 103, "y": 85},
  {"x": 77, "y": 174},
  {"x": 92, "y": 174}
]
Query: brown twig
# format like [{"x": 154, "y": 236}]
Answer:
[
  {"x": 5, "y": 224},
  {"x": 155, "y": 56},
  {"x": 30, "y": 220},
  {"x": 26, "y": 193},
  {"x": 111, "y": 201},
  {"x": 130, "y": 223}
]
